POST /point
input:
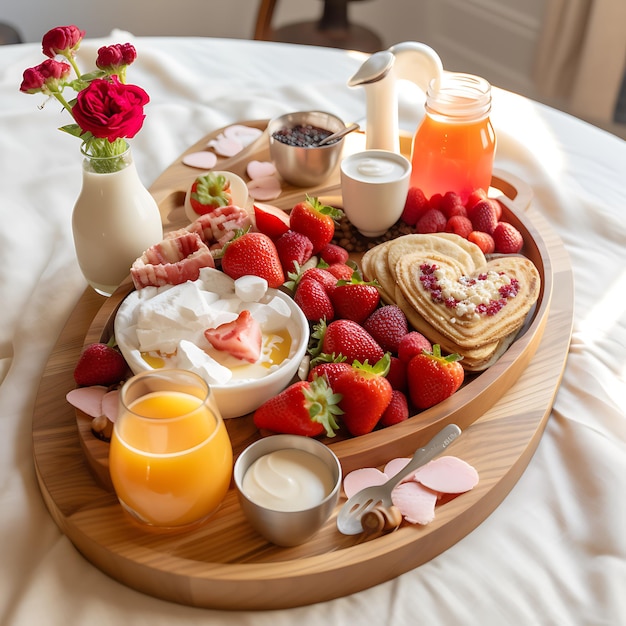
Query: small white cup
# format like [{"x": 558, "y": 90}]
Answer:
[{"x": 374, "y": 186}]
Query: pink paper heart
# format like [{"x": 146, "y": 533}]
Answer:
[
  {"x": 260, "y": 169},
  {"x": 204, "y": 160}
]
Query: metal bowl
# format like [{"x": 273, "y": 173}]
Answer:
[
  {"x": 287, "y": 528},
  {"x": 305, "y": 167}
]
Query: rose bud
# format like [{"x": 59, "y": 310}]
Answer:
[{"x": 62, "y": 40}]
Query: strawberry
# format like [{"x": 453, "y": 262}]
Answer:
[
  {"x": 209, "y": 192},
  {"x": 333, "y": 253},
  {"x": 253, "y": 253},
  {"x": 322, "y": 276},
  {"x": 432, "y": 377},
  {"x": 330, "y": 370},
  {"x": 315, "y": 220},
  {"x": 315, "y": 303},
  {"x": 346, "y": 338},
  {"x": 341, "y": 271},
  {"x": 459, "y": 225},
  {"x": 451, "y": 204},
  {"x": 397, "y": 374},
  {"x": 433, "y": 221},
  {"x": 415, "y": 206},
  {"x": 99, "y": 364},
  {"x": 397, "y": 410},
  {"x": 483, "y": 216},
  {"x": 366, "y": 393},
  {"x": 241, "y": 338},
  {"x": 304, "y": 408},
  {"x": 483, "y": 240},
  {"x": 292, "y": 248},
  {"x": 411, "y": 344},
  {"x": 387, "y": 325},
  {"x": 434, "y": 202},
  {"x": 507, "y": 239},
  {"x": 270, "y": 223},
  {"x": 354, "y": 299}
]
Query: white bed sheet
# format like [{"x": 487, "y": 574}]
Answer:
[{"x": 554, "y": 552}]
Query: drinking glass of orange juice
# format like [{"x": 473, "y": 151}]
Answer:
[{"x": 170, "y": 457}]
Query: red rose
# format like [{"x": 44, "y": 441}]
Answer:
[
  {"x": 61, "y": 39},
  {"x": 110, "y": 109},
  {"x": 45, "y": 75},
  {"x": 115, "y": 55}
]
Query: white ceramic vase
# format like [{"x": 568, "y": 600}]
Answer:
[{"x": 115, "y": 219}]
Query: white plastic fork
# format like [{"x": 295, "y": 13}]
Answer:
[{"x": 350, "y": 514}]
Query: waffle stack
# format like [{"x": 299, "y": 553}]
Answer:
[{"x": 454, "y": 295}]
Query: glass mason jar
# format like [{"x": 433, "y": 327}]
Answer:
[
  {"x": 454, "y": 146},
  {"x": 115, "y": 219}
]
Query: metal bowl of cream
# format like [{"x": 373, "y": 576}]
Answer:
[{"x": 288, "y": 487}]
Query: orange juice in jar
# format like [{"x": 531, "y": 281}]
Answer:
[
  {"x": 170, "y": 457},
  {"x": 454, "y": 146}
]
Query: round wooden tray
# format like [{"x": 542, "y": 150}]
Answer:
[{"x": 225, "y": 564}]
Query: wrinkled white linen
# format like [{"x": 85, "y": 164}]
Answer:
[{"x": 554, "y": 552}]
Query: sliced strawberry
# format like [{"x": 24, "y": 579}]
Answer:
[
  {"x": 271, "y": 221},
  {"x": 241, "y": 338},
  {"x": 304, "y": 408},
  {"x": 210, "y": 191}
]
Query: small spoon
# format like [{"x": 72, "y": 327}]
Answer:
[
  {"x": 350, "y": 514},
  {"x": 339, "y": 134}
]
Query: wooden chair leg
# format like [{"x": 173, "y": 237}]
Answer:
[{"x": 263, "y": 28}]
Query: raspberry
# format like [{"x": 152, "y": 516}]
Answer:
[
  {"x": 507, "y": 239},
  {"x": 475, "y": 197},
  {"x": 434, "y": 202},
  {"x": 451, "y": 204},
  {"x": 414, "y": 207},
  {"x": 459, "y": 225},
  {"x": 387, "y": 324},
  {"x": 433, "y": 221},
  {"x": 483, "y": 240},
  {"x": 411, "y": 344},
  {"x": 483, "y": 216}
]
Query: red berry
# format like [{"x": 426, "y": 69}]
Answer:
[
  {"x": 434, "y": 202},
  {"x": 349, "y": 339},
  {"x": 331, "y": 370},
  {"x": 433, "y": 221},
  {"x": 340, "y": 271},
  {"x": 475, "y": 197},
  {"x": 387, "y": 325},
  {"x": 99, "y": 364},
  {"x": 322, "y": 276},
  {"x": 483, "y": 216},
  {"x": 459, "y": 225},
  {"x": 483, "y": 240},
  {"x": 315, "y": 303},
  {"x": 411, "y": 344},
  {"x": 292, "y": 248},
  {"x": 354, "y": 300},
  {"x": 415, "y": 206},
  {"x": 315, "y": 220},
  {"x": 332, "y": 253},
  {"x": 397, "y": 410},
  {"x": 451, "y": 204},
  {"x": 397, "y": 374},
  {"x": 507, "y": 239}
]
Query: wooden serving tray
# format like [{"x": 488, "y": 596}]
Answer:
[{"x": 225, "y": 564}]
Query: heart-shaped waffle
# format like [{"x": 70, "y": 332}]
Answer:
[{"x": 470, "y": 305}]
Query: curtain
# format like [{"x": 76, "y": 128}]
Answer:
[{"x": 581, "y": 56}]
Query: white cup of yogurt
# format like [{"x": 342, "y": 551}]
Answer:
[{"x": 374, "y": 186}]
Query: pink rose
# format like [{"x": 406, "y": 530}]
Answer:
[
  {"x": 61, "y": 39},
  {"x": 110, "y": 109},
  {"x": 45, "y": 76},
  {"x": 110, "y": 57}
]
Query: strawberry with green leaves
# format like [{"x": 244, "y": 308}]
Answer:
[
  {"x": 355, "y": 299},
  {"x": 366, "y": 393},
  {"x": 304, "y": 408},
  {"x": 345, "y": 338},
  {"x": 209, "y": 192},
  {"x": 433, "y": 377},
  {"x": 253, "y": 254},
  {"x": 315, "y": 220}
]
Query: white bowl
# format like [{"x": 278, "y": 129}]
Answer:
[{"x": 239, "y": 396}]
